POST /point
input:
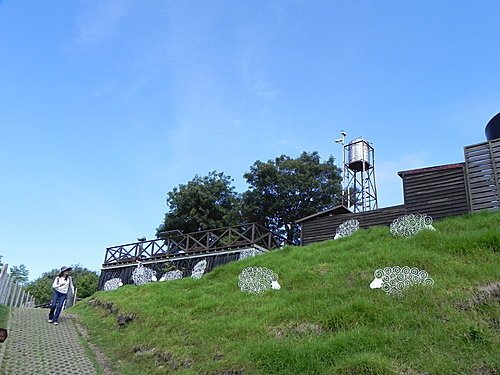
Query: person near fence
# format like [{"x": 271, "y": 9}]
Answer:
[{"x": 62, "y": 285}]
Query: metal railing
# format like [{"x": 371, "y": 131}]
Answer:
[
  {"x": 173, "y": 243},
  {"x": 13, "y": 294}
]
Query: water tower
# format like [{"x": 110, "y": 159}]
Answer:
[{"x": 359, "y": 188}]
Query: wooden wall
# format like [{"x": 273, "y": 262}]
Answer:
[
  {"x": 483, "y": 173},
  {"x": 439, "y": 191},
  {"x": 321, "y": 228}
]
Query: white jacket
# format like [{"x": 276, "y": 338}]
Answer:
[{"x": 61, "y": 285}]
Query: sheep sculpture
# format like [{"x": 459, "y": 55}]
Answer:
[
  {"x": 409, "y": 225},
  {"x": 199, "y": 269},
  {"x": 143, "y": 275},
  {"x": 257, "y": 279},
  {"x": 171, "y": 275},
  {"x": 346, "y": 229},
  {"x": 393, "y": 280},
  {"x": 112, "y": 284},
  {"x": 249, "y": 253}
]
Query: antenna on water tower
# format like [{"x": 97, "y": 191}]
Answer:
[{"x": 359, "y": 190}]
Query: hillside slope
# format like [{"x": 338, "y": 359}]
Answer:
[{"x": 325, "y": 319}]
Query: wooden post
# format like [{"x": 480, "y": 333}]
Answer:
[
  {"x": 3, "y": 288},
  {"x": 19, "y": 295},
  {"x": 8, "y": 291},
  {"x": 3, "y": 282},
  {"x": 4, "y": 270},
  {"x": 12, "y": 292}
]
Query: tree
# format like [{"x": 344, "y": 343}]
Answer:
[
  {"x": 86, "y": 281},
  {"x": 83, "y": 279},
  {"x": 285, "y": 189},
  {"x": 41, "y": 288},
  {"x": 19, "y": 273},
  {"x": 203, "y": 203}
]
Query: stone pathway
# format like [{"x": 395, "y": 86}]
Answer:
[{"x": 37, "y": 347}]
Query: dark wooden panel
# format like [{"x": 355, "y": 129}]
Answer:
[
  {"x": 438, "y": 192},
  {"x": 483, "y": 170},
  {"x": 324, "y": 228}
]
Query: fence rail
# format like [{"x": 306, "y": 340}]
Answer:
[
  {"x": 13, "y": 294},
  {"x": 173, "y": 243}
]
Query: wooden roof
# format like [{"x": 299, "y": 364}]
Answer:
[
  {"x": 430, "y": 169},
  {"x": 337, "y": 210}
]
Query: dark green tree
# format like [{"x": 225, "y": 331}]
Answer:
[
  {"x": 284, "y": 190},
  {"x": 41, "y": 288},
  {"x": 203, "y": 203},
  {"x": 19, "y": 273},
  {"x": 84, "y": 280}
]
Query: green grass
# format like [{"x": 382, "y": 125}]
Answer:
[
  {"x": 4, "y": 316},
  {"x": 325, "y": 319}
]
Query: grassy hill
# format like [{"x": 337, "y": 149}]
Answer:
[
  {"x": 4, "y": 316},
  {"x": 325, "y": 319}
]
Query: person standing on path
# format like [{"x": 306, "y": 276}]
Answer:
[{"x": 62, "y": 284}]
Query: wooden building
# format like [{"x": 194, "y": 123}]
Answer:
[
  {"x": 439, "y": 191},
  {"x": 323, "y": 225}
]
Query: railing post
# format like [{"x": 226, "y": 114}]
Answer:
[
  {"x": 74, "y": 296},
  {"x": 19, "y": 294},
  {"x": 4, "y": 280},
  {"x": 23, "y": 299},
  {"x": 5, "y": 290},
  {"x": 12, "y": 292},
  {"x": 8, "y": 290},
  {"x": 30, "y": 302},
  {"x": 3, "y": 283}
]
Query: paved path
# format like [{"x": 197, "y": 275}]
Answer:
[{"x": 37, "y": 347}]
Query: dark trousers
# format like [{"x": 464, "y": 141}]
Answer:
[{"x": 56, "y": 305}]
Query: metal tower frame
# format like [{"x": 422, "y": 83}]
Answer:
[{"x": 359, "y": 187}]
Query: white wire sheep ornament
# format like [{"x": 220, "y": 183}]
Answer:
[
  {"x": 249, "y": 253},
  {"x": 113, "y": 284},
  {"x": 257, "y": 279},
  {"x": 393, "y": 280},
  {"x": 346, "y": 229},
  {"x": 409, "y": 225},
  {"x": 143, "y": 275},
  {"x": 199, "y": 269},
  {"x": 171, "y": 275}
]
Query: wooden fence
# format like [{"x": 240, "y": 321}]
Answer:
[
  {"x": 483, "y": 174},
  {"x": 174, "y": 243},
  {"x": 13, "y": 294}
]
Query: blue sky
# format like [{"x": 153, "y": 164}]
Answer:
[{"x": 107, "y": 105}]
